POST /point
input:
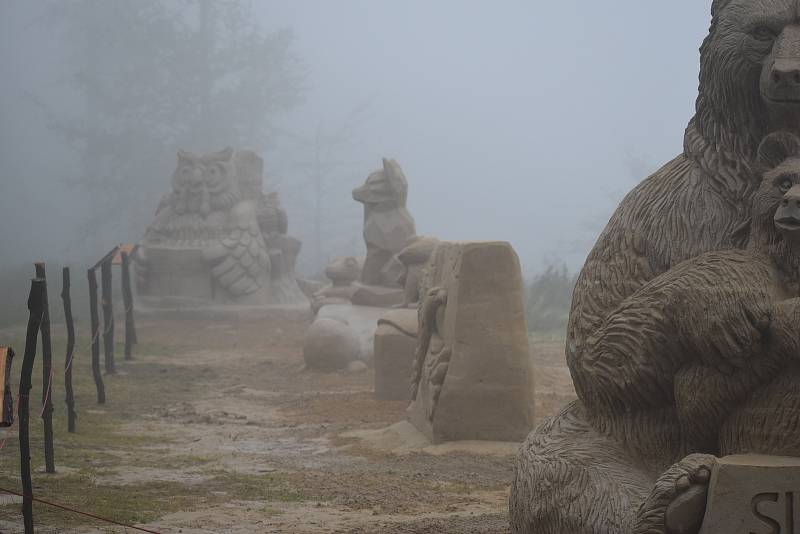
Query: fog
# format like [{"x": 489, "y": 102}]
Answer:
[{"x": 523, "y": 121}]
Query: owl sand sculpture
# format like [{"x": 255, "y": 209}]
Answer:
[
  {"x": 664, "y": 385},
  {"x": 217, "y": 238}
]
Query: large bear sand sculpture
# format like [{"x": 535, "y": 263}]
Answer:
[{"x": 622, "y": 458}]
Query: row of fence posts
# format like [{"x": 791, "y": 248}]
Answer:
[{"x": 39, "y": 326}]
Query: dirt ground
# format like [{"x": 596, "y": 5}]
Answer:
[{"x": 217, "y": 427}]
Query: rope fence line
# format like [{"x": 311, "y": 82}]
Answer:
[
  {"x": 50, "y": 382},
  {"x": 79, "y": 512},
  {"x": 39, "y": 324},
  {"x": 47, "y": 393},
  {"x": 69, "y": 365},
  {"x": 86, "y": 348}
]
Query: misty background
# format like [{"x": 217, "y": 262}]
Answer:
[{"x": 518, "y": 120}]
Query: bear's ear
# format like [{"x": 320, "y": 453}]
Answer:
[
  {"x": 717, "y": 6},
  {"x": 777, "y": 147}
]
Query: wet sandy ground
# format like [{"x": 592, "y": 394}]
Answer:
[{"x": 250, "y": 441}]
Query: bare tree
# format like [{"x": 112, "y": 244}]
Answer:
[
  {"x": 154, "y": 76},
  {"x": 322, "y": 199}
]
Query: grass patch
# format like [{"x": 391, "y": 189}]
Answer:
[
  {"x": 554, "y": 336},
  {"x": 100, "y": 446},
  {"x": 272, "y": 487},
  {"x": 132, "y": 504},
  {"x": 269, "y": 511}
]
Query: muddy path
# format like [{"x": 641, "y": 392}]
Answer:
[{"x": 218, "y": 427}]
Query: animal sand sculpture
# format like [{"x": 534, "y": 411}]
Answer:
[
  {"x": 387, "y": 223},
  {"x": 388, "y": 228},
  {"x": 396, "y": 336},
  {"x": 217, "y": 239},
  {"x": 620, "y": 459},
  {"x": 342, "y": 272},
  {"x": 743, "y": 399},
  {"x": 414, "y": 258},
  {"x": 473, "y": 378}
]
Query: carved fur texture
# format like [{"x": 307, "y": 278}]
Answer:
[{"x": 626, "y": 425}]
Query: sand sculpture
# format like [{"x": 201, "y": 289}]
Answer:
[
  {"x": 604, "y": 465},
  {"x": 387, "y": 223},
  {"x": 394, "y": 348},
  {"x": 388, "y": 228},
  {"x": 396, "y": 337},
  {"x": 753, "y": 493},
  {"x": 330, "y": 345},
  {"x": 472, "y": 372},
  {"x": 342, "y": 272},
  {"x": 217, "y": 239},
  {"x": 414, "y": 258}
]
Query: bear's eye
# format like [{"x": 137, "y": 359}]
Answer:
[
  {"x": 785, "y": 184},
  {"x": 762, "y": 33}
]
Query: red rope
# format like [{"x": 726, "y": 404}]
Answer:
[
  {"x": 87, "y": 514},
  {"x": 72, "y": 357}
]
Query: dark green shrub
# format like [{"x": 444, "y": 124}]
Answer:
[{"x": 548, "y": 299}]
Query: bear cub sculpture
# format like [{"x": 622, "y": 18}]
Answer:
[{"x": 726, "y": 400}]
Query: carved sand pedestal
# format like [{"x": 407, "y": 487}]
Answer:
[
  {"x": 473, "y": 372},
  {"x": 357, "y": 325},
  {"x": 754, "y": 494},
  {"x": 395, "y": 344},
  {"x": 396, "y": 338}
]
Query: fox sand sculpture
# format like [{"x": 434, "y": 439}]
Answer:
[{"x": 600, "y": 466}]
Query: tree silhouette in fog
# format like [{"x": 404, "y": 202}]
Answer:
[
  {"x": 548, "y": 299},
  {"x": 158, "y": 75}
]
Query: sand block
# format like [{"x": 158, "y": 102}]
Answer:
[
  {"x": 395, "y": 344},
  {"x": 473, "y": 375},
  {"x": 754, "y": 494}
]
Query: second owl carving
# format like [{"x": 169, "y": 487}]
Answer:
[{"x": 217, "y": 237}]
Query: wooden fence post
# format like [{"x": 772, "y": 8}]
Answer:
[
  {"x": 47, "y": 375},
  {"x": 6, "y": 360},
  {"x": 95, "y": 320},
  {"x": 127, "y": 299},
  {"x": 70, "y": 400},
  {"x": 108, "y": 316},
  {"x": 35, "y": 307}
]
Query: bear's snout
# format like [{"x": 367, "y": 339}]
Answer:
[
  {"x": 781, "y": 76},
  {"x": 787, "y": 217}
]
